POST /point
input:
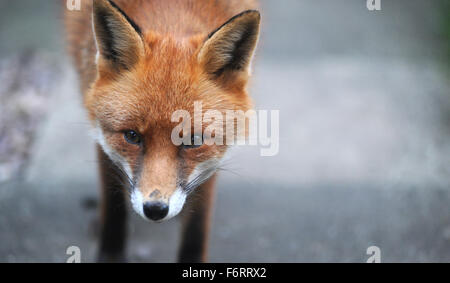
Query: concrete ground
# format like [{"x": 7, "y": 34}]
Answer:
[{"x": 364, "y": 146}]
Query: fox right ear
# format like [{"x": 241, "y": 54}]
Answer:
[
  {"x": 118, "y": 38},
  {"x": 229, "y": 49}
]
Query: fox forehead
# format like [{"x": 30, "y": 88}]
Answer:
[{"x": 168, "y": 79}]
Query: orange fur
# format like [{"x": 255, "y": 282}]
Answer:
[
  {"x": 167, "y": 76},
  {"x": 156, "y": 57}
]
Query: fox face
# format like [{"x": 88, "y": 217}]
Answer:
[{"x": 143, "y": 77}]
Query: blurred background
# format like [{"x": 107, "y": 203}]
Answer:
[{"x": 364, "y": 100}]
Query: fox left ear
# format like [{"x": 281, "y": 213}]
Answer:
[
  {"x": 118, "y": 38},
  {"x": 230, "y": 48}
]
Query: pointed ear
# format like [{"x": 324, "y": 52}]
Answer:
[
  {"x": 118, "y": 38},
  {"x": 230, "y": 48}
]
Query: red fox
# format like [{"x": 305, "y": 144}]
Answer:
[{"x": 139, "y": 61}]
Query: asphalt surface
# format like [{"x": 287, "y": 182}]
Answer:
[{"x": 364, "y": 146}]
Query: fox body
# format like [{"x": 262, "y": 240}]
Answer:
[{"x": 139, "y": 61}]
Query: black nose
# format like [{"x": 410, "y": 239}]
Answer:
[{"x": 155, "y": 210}]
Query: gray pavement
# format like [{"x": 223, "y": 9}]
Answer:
[{"x": 364, "y": 145}]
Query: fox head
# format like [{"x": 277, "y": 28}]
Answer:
[{"x": 142, "y": 79}]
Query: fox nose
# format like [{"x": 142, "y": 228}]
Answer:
[{"x": 155, "y": 210}]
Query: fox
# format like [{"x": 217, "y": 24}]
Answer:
[{"x": 139, "y": 61}]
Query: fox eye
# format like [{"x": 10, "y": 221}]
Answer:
[
  {"x": 132, "y": 137},
  {"x": 196, "y": 141}
]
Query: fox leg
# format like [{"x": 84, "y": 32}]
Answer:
[
  {"x": 196, "y": 223},
  {"x": 113, "y": 212}
]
